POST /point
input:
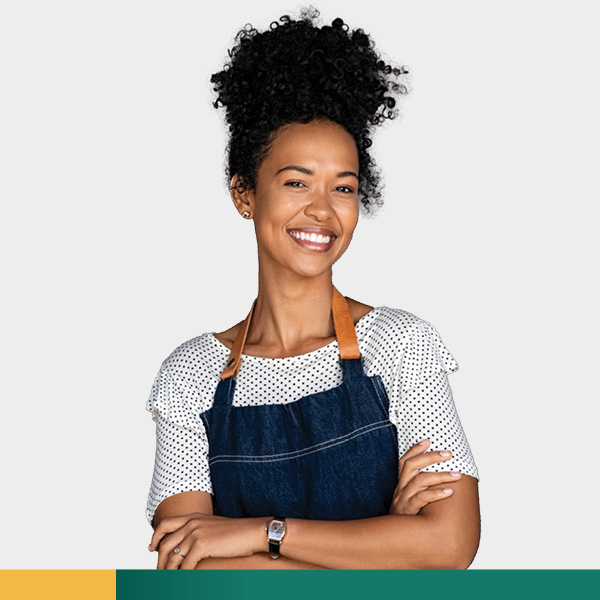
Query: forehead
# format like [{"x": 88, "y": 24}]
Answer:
[{"x": 320, "y": 141}]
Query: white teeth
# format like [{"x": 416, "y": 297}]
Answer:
[{"x": 311, "y": 237}]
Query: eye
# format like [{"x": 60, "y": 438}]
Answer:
[
  {"x": 349, "y": 190},
  {"x": 291, "y": 183}
]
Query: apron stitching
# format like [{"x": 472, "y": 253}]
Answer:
[
  {"x": 304, "y": 452},
  {"x": 309, "y": 447},
  {"x": 205, "y": 421},
  {"x": 378, "y": 382}
]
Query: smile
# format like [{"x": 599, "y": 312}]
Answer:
[{"x": 312, "y": 241}]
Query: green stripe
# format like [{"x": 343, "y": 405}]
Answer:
[{"x": 363, "y": 585}]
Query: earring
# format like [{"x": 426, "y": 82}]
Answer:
[{"x": 246, "y": 214}]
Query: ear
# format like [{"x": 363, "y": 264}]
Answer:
[{"x": 243, "y": 199}]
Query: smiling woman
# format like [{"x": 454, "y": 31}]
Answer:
[
  {"x": 297, "y": 434},
  {"x": 307, "y": 185}
]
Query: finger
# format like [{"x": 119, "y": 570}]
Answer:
[
  {"x": 413, "y": 465},
  {"x": 422, "y": 481},
  {"x": 191, "y": 552},
  {"x": 403, "y": 504},
  {"x": 430, "y": 495},
  {"x": 415, "y": 450},
  {"x": 403, "y": 501},
  {"x": 167, "y": 525},
  {"x": 192, "y": 558},
  {"x": 174, "y": 560},
  {"x": 167, "y": 546}
]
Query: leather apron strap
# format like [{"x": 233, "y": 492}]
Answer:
[{"x": 342, "y": 322}]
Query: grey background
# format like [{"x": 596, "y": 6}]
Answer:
[{"x": 116, "y": 240}]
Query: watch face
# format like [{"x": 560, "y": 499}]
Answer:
[{"x": 276, "y": 530}]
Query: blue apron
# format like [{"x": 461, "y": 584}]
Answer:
[{"x": 332, "y": 455}]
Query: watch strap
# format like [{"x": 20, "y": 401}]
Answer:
[{"x": 274, "y": 549}]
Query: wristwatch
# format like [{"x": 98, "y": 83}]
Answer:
[{"x": 275, "y": 528}]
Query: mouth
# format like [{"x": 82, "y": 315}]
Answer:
[{"x": 312, "y": 241}]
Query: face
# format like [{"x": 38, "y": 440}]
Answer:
[{"x": 306, "y": 186}]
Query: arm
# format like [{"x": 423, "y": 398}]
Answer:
[
  {"x": 201, "y": 502},
  {"x": 415, "y": 491},
  {"x": 174, "y": 445},
  {"x": 177, "y": 443},
  {"x": 444, "y": 535},
  {"x": 260, "y": 560}
]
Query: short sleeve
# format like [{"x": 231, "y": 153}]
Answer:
[
  {"x": 425, "y": 407},
  {"x": 426, "y": 355},
  {"x": 181, "y": 458},
  {"x": 168, "y": 399}
]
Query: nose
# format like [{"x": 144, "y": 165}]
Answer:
[{"x": 319, "y": 206}]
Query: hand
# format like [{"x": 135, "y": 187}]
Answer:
[
  {"x": 199, "y": 536},
  {"x": 414, "y": 489}
]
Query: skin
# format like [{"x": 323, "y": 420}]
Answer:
[
  {"x": 293, "y": 311},
  {"x": 427, "y": 527}
]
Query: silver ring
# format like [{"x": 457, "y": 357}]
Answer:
[{"x": 178, "y": 551}]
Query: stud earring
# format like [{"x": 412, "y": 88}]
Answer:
[{"x": 246, "y": 214}]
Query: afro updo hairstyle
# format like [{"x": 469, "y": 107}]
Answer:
[{"x": 295, "y": 72}]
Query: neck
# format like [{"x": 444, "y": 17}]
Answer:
[{"x": 292, "y": 313}]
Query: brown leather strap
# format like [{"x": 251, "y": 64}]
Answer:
[
  {"x": 233, "y": 364},
  {"x": 342, "y": 322},
  {"x": 344, "y": 326}
]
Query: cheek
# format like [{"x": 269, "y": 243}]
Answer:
[
  {"x": 349, "y": 217},
  {"x": 273, "y": 204}
]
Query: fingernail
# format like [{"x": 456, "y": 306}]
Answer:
[
  {"x": 455, "y": 473},
  {"x": 149, "y": 547},
  {"x": 447, "y": 490},
  {"x": 423, "y": 442},
  {"x": 444, "y": 453}
]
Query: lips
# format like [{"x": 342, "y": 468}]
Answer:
[{"x": 313, "y": 238}]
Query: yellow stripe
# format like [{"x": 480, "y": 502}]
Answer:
[{"x": 58, "y": 584}]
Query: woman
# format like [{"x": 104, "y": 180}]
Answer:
[{"x": 280, "y": 437}]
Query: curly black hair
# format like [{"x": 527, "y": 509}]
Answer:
[{"x": 295, "y": 72}]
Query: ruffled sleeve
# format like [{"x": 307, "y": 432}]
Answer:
[
  {"x": 181, "y": 458},
  {"x": 425, "y": 406},
  {"x": 426, "y": 355},
  {"x": 174, "y": 403}
]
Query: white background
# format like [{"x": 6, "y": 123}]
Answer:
[{"x": 119, "y": 242}]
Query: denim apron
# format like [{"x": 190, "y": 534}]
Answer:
[{"x": 332, "y": 455}]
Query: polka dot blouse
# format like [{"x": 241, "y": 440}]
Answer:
[{"x": 406, "y": 351}]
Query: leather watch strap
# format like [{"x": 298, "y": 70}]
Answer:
[{"x": 274, "y": 549}]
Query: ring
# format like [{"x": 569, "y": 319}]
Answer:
[{"x": 178, "y": 551}]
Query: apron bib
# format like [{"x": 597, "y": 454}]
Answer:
[{"x": 332, "y": 455}]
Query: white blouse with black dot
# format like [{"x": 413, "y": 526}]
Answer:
[{"x": 405, "y": 350}]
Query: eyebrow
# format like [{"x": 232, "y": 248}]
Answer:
[{"x": 309, "y": 172}]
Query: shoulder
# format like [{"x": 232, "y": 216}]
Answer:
[
  {"x": 193, "y": 368},
  {"x": 397, "y": 324},
  {"x": 186, "y": 381},
  {"x": 398, "y": 343},
  {"x": 189, "y": 354}
]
